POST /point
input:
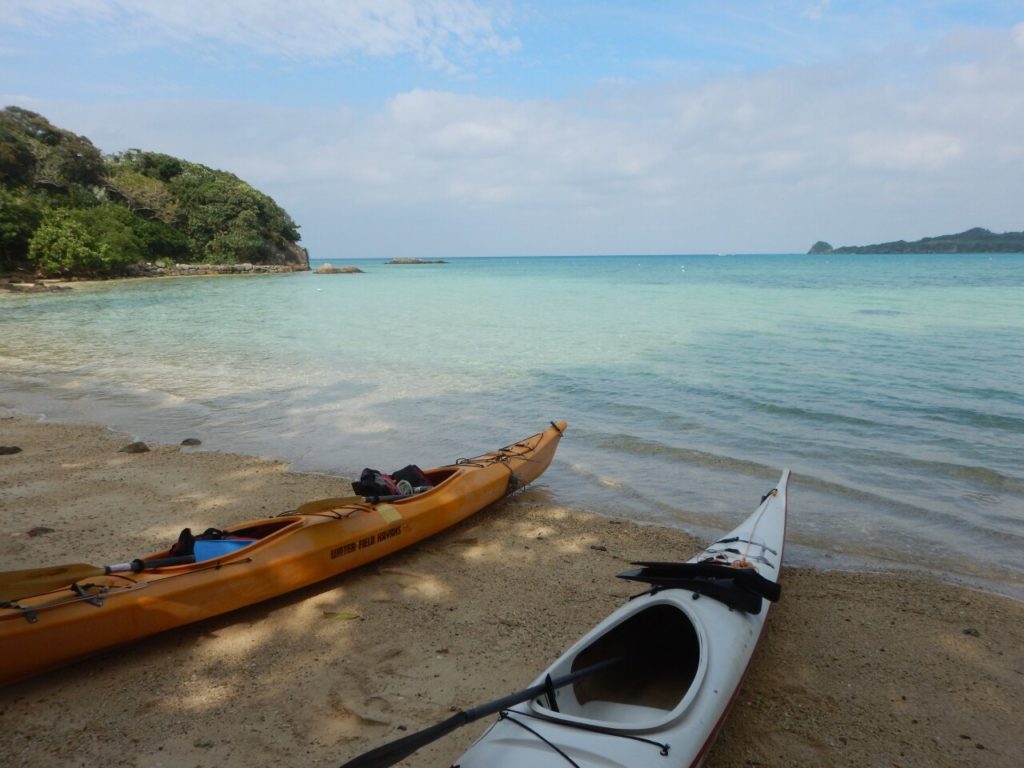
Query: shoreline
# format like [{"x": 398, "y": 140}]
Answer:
[
  {"x": 21, "y": 283},
  {"x": 854, "y": 669},
  {"x": 811, "y": 555}
]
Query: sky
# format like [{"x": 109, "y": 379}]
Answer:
[{"x": 446, "y": 128}]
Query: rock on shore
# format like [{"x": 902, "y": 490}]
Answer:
[{"x": 246, "y": 268}]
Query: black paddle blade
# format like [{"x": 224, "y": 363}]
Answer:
[
  {"x": 738, "y": 588},
  {"x": 398, "y": 750},
  {"x": 748, "y": 577}
]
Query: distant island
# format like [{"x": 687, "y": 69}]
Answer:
[
  {"x": 68, "y": 210},
  {"x": 414, "y": 260},
  {"x": 975, "y": 240}
]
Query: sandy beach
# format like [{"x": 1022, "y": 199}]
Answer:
[{"x": 856, "y": 669}]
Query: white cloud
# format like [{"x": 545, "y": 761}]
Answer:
[
  {"x": 888, "y": 151},
  {"x": 817, "y": 11},
  {"x": 897, "y": 145},
  {"x": 1018, "y": 35},
  {"x": 435, "y": 31}
]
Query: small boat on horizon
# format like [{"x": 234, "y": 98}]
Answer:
[{"x": 53, "y": 616}]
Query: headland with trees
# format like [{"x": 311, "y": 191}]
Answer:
[
  {"x": 976, "y": 240},
  {"x": 68, "y": 210}
]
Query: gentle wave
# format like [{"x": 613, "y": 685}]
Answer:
[
  {"x": 973, "y": 418},
  {"x": 639, "y": 446}
]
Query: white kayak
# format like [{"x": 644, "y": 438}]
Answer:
[{"x": 652, "y": 683}]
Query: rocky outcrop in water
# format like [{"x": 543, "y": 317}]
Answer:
[{"x": 330, "y": 269}]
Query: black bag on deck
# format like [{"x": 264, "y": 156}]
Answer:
[
  {"x": 186, "y": 543},
  {"x": 374, "y": 483},
  {"x": 413, "y": 475}
]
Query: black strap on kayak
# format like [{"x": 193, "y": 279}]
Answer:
[
  {"x": 549, "y": 691},
  {"x": 525, "y": 727},
  {"x": 739, "y": 588},
  {"x": 663, "y": 749},
  {"x": 734, "y": 539}
]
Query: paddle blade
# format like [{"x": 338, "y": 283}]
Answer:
[
  {"x": 398, "y": 750},
  {"x": 15, "y": 585}
]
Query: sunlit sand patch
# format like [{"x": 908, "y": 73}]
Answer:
[
  {"x": 963, "y": 646},
  {"x": 575, "y": 546},
  {"x": 418, "y": 584},
  {"x": 212, "y": 503},
  {"x": 350, "y": 716},
  {"x": 556, "y": 513},
  {"x": 537, "y": 532},
  {"x": 205, "y": 696},
  {"x": 522, "y": 553},
  {"x": 258, "y": 470},
  {"x": 70, "y": 466}
]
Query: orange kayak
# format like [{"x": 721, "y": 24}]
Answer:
[{"x": 54, "y": 616}]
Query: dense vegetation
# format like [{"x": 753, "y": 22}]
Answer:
[
  {"x": 65, "y": 208},
  {"x": 975, "y": 240}
]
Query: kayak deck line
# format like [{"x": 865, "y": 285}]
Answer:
[
  {"x": 737, "y": 540},
  {"x": 506, "y": 715}
]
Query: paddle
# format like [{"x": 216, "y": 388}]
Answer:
[
  {"x": 389, "y": 754},
  {"x": 15, "y": 585}
]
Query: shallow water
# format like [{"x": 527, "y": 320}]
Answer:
[{"x": 890, "y": 385}]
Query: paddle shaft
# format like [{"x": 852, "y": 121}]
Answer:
[
  {"x": 389, "y": 754},
  {"x": 15, "y": 585},
  {"x": 138, "y": 566}
]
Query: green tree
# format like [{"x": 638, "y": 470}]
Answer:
[
  {"x": 17, "y": 162},
  {"x": 62, "y": 245},
  {"x": 62, "y": 160},
  {"x": 19, "y": 217},
  {"x": 227, "y": 220},
  {"x": 143, "y": 195}
]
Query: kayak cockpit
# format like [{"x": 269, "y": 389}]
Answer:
[
  {"x": 216, "y": 544},
  {"x": 660, "y": 664}
]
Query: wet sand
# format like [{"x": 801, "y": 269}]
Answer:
[{"x": 856, "y": 669}]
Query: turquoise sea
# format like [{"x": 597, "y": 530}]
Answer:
[{"x": 892, "y": 386}]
